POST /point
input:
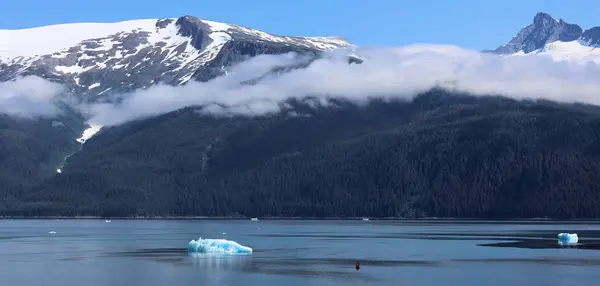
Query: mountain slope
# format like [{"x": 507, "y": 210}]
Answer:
[
  {"x": 32, "y": 150},
  {"x": 101, "y": 58},
  {"x": 555, "y": 38},
  {"x": 440, "y": 154},
  {"x": 95, "y": 60}
]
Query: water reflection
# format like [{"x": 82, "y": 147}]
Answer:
[
  {"x": 544, "y": 244},
  {"x": 220, "y": 262}
]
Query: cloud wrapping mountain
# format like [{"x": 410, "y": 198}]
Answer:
[
  {"x": 390, "y": 73},
  {"x": 29, "y": 97}
]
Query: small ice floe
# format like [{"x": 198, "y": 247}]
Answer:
[
  {"x": 567, "y": 238},
  {"x": 217, "y": 246}
]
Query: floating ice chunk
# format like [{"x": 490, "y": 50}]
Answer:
[
  {"x": 567, "y": 238},
  {"x": 217, "y": 246}
]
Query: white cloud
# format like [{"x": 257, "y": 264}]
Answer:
[
  {"x": 400, "y": 72},
  {"x": 29, "y": 97}
]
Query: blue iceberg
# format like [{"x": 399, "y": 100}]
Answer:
[
  {"x": 567, "y": 238},
  {"x": 217, "y": 246}
]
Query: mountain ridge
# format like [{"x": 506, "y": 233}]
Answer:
[
  {"x": 97, "y": 58},
  {"x": 439, "y": 154}
]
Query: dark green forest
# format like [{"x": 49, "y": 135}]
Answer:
[{"x": 437, "y": 155}]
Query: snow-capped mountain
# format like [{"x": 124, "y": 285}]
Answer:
[
  {"x": 555, "y": 38},
  {"x": 96, "y": 58}
]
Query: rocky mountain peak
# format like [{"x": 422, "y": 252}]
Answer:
[{"x": 544, "y": 29}]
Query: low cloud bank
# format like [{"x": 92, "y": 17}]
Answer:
[
  {"x": 400, "y": 72},
  {"x": 29, "y": 97}
]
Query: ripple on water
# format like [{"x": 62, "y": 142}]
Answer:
[{"x": 262, "y": 262}]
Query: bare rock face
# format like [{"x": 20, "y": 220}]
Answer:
[{"x": 545, "y": 30}]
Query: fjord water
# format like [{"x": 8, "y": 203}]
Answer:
[{"x": 153, "y": 252}]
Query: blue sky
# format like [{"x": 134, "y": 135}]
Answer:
[{"x": 474, "y": 24}]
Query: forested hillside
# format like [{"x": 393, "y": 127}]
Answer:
[
  {"x": 439, "y": 155},
  {"x": 32, "y": 149}
]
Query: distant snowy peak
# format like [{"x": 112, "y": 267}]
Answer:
[
  {"x": 101, "y": 57},
  {"x": 555, "y": 38},
  {"x": 544, "y": 29}
]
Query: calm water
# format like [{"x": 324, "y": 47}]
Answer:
[{"x": 127, "y": 252}]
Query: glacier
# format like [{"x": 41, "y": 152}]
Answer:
[
  {"x": 217, "y": 246},
  {"x": 567, "y": 238}
]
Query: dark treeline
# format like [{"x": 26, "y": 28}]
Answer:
[
  {"x": 32, "y": 150},
  {"x": 439, "y": 155}
]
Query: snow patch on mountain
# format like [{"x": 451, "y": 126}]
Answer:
[
  {"x": 57, "y": 40},
  {"x": 573, "y": 50},
  {"x": 89, "y": 132},
  {"x": 167, "y": 38},
  {"x": 96, "y": 58},
  {"x": 86, "y": 135},
  {"x": 46, "y": 40},
  {"x": 566, "y": 51}
]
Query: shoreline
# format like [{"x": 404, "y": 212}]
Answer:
[{"x": 537, "y": 220}]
